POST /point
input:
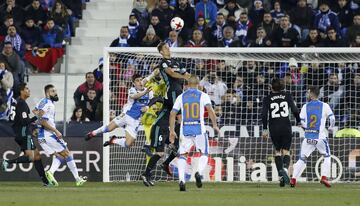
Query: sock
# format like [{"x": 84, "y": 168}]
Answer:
[
  {"x": 40, "y": 170},
  {"x": 182, "y": 167},
  {"x": 55, "y": 164},
  {"x": 203, "y": 161},
  {"x": 279, "y": 163},
  {"x": 299, "y": 167},
  {"x": 170, "y": 158},
  {"x": 72, "y": 166},
  {"x": 121, "y": 142},
  {"x": 101, "y": 130},
  {"x": 286, "y": 161},
  {"x": 152, "y": 163},
  {"x": 21, "y": 159},
  {"x": 326, "y": 166}
]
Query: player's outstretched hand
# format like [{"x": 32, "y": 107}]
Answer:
[
  {"x": 172, "y": 137},
  {"x": 144, "y": 109},
  {"x": 58, "y": 134},
  {"x": 265, "y": 134},
  {"x": 217, "y": 130},
  {"x": 187, "y": 75}
]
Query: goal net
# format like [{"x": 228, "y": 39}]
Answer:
[{"x": 236, "y": 80}]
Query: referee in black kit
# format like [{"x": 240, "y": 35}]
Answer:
[
  {"x": 21, "y": 125},
  {"x": 275, "y": 111}
]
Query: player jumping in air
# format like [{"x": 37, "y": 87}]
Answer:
[
  {"x": 173, "y": 76},
  {"x": 50, "y": 139},
  {"x": 20, "y": 116},
  {"x": 276, "y": 109},
  {"x": 313, "y": 118},
  {"x": 192, "y": 131},
  {"x": 138, "y": 100}
]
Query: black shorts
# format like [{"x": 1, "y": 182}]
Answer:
[
  {"x": 25, "y": 142},
  {"x": 281, "y": 138},
  {"x": 160, "y": 131}
]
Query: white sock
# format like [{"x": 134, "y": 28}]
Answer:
[
  {"x": 182, "y": 166},
  {"x": 203, "y": 161},
  {"x": 299, "y": 167},
  {"x": 56, "y": 162},
  {"x": 101, "y": 130},
  {"x": 121, "y": 142},
  {"x": 72, "y": 166},
  {"x": 325, "y": 167}
]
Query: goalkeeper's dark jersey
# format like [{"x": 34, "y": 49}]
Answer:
[{"x": 171, "y": 83}]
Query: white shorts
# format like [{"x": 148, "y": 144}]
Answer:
[
  {"x": 131, "y": 125},
  {"x": 201, "y": 143},
  {"x": 309, "y": 145},
  {"x": 51, "y": 144}
]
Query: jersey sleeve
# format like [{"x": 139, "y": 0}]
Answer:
[
  {"x": 44, "y": 106},
  {"x": 132, "y": 91},
  {"x": 177, "y": 105},
  {"x": 303, "y": 116},
  {"x": 265, "y": 110}
]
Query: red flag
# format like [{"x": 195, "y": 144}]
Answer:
[{"x": 44, "y": 58}]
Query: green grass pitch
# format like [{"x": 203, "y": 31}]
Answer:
[{"x": 166, "y": 193}]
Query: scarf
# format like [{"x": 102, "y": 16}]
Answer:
[
  {"x": 133, "y": 29},
  {"x": 324, "y": 22},
  {"x": 172, "y": 44},
  {"x": 242, "y": 29},
  {"x": 227, "y": 42},
  {"x": 15, "y": 41},
  {"x": 123, "y": 42}
]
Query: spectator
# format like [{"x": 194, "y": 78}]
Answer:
[
  {"x": 200, "y": 70},
  {"x": 186, "y": 13},
  {"x": 216, "y": 30},
  {"x": 13, "y": 62},
  {"x": 277, "y": 12},
  {"x": 353, "y": 92},
  {"x": 201, "y": 24},
  {"x": 24, "y": 3},
  {"x": 313, "y": 39},
  {"x": 345, "y": 15},
  {"x": 75, "y": 6},
  {"x": 90, "y": 83},
  {"x": 47, "y": 4},
  {"x": 11, "y": 9},
  {"x": 356, "y": 42},
  {"x": 207, "y": 9},
  {"x": 333, "y": 39},
  {"x": 31, "y": 34},
  {"x": 197, "y": 40},
  {"x": 232, "y": 10},
  {"x": 285, "y": 36},
  {"x": 316, "y": 75},
  {"x": 98, "y": 72},
  {"x": 6, "y": 84},
  {"x": 90, "y": 105},
  {"x": 78, "y": 116},
  {"x": 302, "y": 17},
  {"x": 326, "y": 18},
  {"x": 165, "y": 14},
  {"x": 36, "y": 12},
  {"x": 294, "y": 70},
  {"x": 174, "y": 40},
  {"x": 226, "y": 73},
  {"x": 332, "y": 92},
  {"x": 256, "y": 14},
  {"x": 240, "y": 88},
  {"x": 262, "y": 40},
  {"x": 229, "y": 40},
  {"x": 230, "y": 109},
  {"x": 124, "y": 40},
  {"x": 159, "y": 29},
  {"x": 354, "y": 29},
  {"x": 150, "y": 39},
  {"x": 9, "y": 21},
  {"x": 135, "y": 30},
  {"x": 52, "y": 36},
  {"x": 343, "y": 73},
  {"x": 141, "y": 12},
  {"x": 16, "y": 40},
  {"x": 61, "y": 16},
  {"x": 248, "y": 68},
  {"x": 214, "y": 87},
  {"x": 269, "y": 24},
  {"x": 243, "y": 28}
]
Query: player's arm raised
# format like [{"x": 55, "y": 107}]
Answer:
[
  {"x": 176, "y": 75},
  {"x": 265, "y": 110}
]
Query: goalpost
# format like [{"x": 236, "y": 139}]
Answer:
[{"x": 237, "y": 79}]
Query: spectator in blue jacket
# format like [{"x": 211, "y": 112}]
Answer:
[
  {"x": 52, "y": 35},
  {"x": 207, "y": 9},
  {"x": 326, "y": 18}
]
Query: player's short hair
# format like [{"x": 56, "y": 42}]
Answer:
[
  {"x": 22, "y": 86},
  {"x": 277, "y": 84},
  {"x": 47, "y": 87},
  {"x": 135, "y": 76},
  {"x": 194, "y": 79},
  {"x": 314, "y": 90},
  {"x": 160, "y": 46}
]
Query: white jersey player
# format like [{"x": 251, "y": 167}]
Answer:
[
  {"x": 50, "y": 139},
  {"x": 138, "y": 99},
  {"x": 313, "y": 117},
  {"x": 192, "y": 131}
]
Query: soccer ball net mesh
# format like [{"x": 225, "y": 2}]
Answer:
[{"x": 237, "y": 84}]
